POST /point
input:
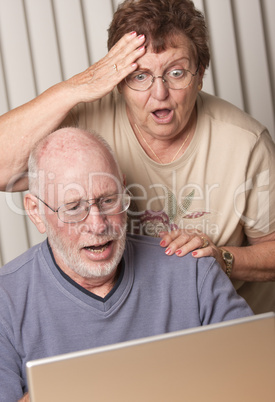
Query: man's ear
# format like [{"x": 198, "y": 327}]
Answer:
[{"x": 32, "y": 209}]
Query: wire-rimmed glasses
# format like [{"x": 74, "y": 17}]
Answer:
[
  {"x": 77, "y": 211},
  {"x": 177, "y": 78}
]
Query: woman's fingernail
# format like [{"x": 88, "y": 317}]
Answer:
[
  {"x": 141, "y": 48},
  {"x": 168, "y": 251},
  {"x": 141, "y": 37},
  {"x": 194, "y": 253},
  {"x": 133, "y": 33},
  {"x": 162, "y": 243},
  {"x": 178, "y": 252}
]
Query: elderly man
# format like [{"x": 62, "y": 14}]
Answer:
[{"x": 87, "y": 285}]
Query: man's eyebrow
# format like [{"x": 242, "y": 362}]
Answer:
[
  {"x": 70, "y": 199},
  {"x": 85, "y": 197},
  {"x": 105, "y": 194}
]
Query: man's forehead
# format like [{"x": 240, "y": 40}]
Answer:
[
  {"x": 89, "y": 185},
  {"x": 81, "y": 172},
  {"x": 77, "y": 150},
  {"x": 80, "y": 168}
]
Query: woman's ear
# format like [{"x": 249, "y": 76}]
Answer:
[
  {"x": 200, "y": 77},
  {"x": 32, "y": 209},
  {"x": 201, "y": 72}
]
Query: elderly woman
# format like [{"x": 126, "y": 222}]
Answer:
[{"x": 194, "y": 163}]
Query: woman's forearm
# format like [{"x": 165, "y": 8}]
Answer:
[
  {"x": 22, "y": 127},
  {"x": 255, "y": 263}
]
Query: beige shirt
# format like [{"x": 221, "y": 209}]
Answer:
[{"x": 222, "y": 185}]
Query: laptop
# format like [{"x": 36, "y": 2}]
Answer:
[{"x": 225, "y": 362}]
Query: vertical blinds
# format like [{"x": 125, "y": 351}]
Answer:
[{"x": 45, "y": 41}]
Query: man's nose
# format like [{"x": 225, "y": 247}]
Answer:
[{"x": 96, "y": 220}]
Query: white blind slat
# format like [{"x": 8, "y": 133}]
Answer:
[
  {"x": 97, "y": 18},
  {"x": 15, "y": 52},
  {"x": 71, "y": 36},
  {"x": 44, "y": 46},
  {"x": 252, "y": 52},
  {"x": 224, "y": 52},
  {"x": 14, "y": 240},
  {"x": 3, "y": 94},
  {"x": 268, "y": 8}
]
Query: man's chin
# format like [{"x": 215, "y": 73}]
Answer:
[
  {"x": 100, "y": 264},
  {"x": 96, "y": 260}
]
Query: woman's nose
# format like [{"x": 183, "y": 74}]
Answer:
[{"x": 159, "y": 89}]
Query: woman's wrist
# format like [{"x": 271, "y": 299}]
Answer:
[{"x": 228, "y": 259}]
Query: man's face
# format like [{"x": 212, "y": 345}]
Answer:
[{"x": 93, "y": 247}]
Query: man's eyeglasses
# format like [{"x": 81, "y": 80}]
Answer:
[
  {"x": 178, "y": 78},
  {"x": 77, "y": 211}
]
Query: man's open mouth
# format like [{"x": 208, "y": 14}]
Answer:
[{"x": 98, "y": 249}]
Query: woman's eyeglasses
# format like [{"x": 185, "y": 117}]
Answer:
[{"x": 178, "y": 78}]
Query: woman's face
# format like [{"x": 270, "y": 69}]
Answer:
[{"x": 159, "y": 111}]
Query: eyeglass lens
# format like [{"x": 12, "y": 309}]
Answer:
[
  {"x": 111, "y": 205},
  {"x": 174, "y": 79}
]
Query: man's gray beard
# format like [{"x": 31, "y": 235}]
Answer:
[{"x": 71, "y": 257}]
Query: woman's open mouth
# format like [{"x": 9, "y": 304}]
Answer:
[{"x": 163, "y": 115}]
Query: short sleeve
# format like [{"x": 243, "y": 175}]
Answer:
[
  {"x": 218, "y": 299},
  {"x": 258, "y": 216}
]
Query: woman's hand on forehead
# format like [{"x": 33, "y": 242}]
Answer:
[{"x": 102, "y": 77}]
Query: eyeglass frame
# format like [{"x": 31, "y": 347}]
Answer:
[
  {"x": 163, "y": 79},
  {"x": 97, "y": 201}
]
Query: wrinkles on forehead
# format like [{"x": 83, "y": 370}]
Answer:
[
  {"x": 77, "y": 166},
  {"x": 68, "y": 145}
]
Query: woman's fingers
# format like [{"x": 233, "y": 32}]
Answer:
[
  {"x": 129, "y": 46},
  {"x": 123, "y": 56},
  {"x": 102, "y": 77},
  {"x": 182, "y": 242}
]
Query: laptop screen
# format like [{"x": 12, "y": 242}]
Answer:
[{"x": 229, "y": 361}]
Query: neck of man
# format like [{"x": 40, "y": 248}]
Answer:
[
  {"x": 98, "y": 289},
  {"x": 99, "y": 286}
]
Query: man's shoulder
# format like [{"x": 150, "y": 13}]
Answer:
[
  {"x": 142, "y": 239},
  {"x": 142, "y": 243},
  {"x": 148, "y": 248},
  {"x": 21, "y": 261}
]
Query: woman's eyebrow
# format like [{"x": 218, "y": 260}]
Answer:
[{"x": 169, "y": 64}]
